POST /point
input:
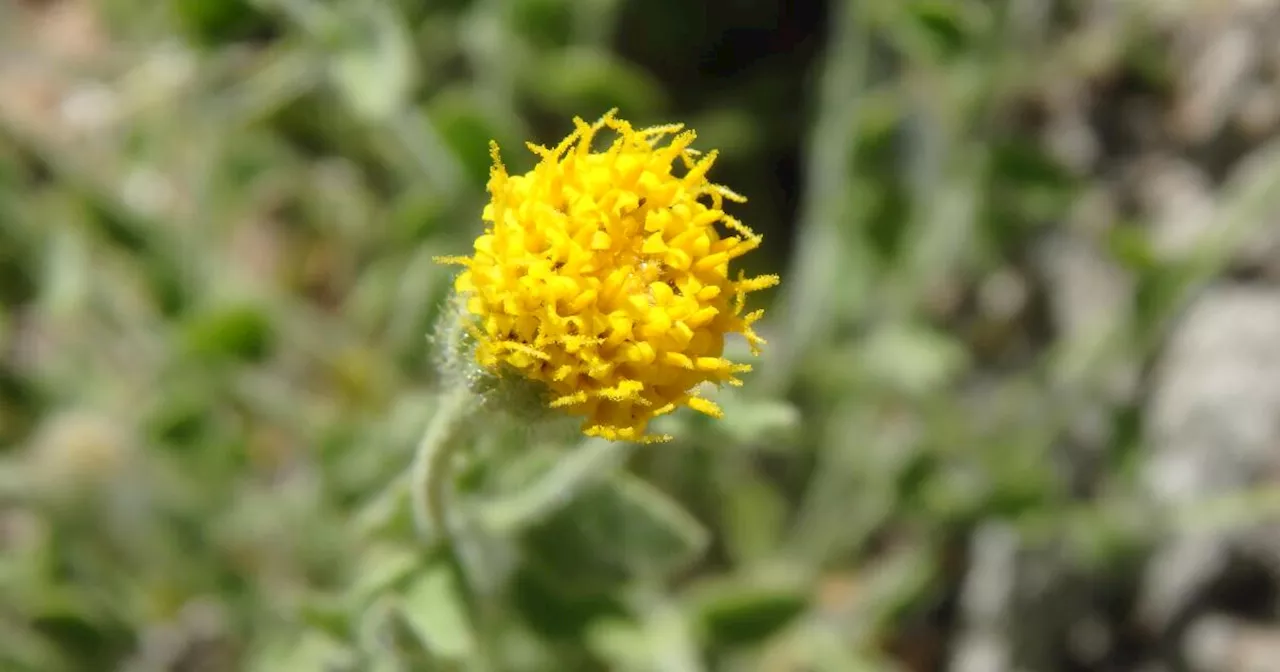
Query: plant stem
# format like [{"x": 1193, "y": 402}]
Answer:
[{"x": 429, "y": 482}]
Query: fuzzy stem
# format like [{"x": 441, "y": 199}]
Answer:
[{"x": 429, "y": 482}]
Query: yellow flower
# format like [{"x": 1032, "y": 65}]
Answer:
[{"x": 602, "y": 275}]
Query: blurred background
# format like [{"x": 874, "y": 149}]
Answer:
[{"x": 1020, "y": 409}]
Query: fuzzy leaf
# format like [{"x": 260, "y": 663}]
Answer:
[
  {"x": 741, "y": 612},
  {"x": 380, "y": 568},
  {"x": 374, "y": 70},
  {"x": 434, "y": 610},
  {"x": 621, "y": 529}
]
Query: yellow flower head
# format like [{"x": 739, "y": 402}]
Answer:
[{"x": 603, "y": 276}]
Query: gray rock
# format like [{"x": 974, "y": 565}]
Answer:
[
  {"x": 1214, "y": 412},
  {"x": 1005, "y": 625},
  {"x": 1178, "y": 199},
  {"x": 1213, "y": 425},
  {"x": 1216, "y": 643}
]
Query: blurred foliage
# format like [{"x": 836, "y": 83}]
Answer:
[{"x": 217, "y": 224}]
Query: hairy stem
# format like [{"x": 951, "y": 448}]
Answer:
[{"x": 429, "y": 484}]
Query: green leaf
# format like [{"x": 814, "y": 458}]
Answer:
[
  {"x": 754, "y": 514},
  {"x": 758, "y": 420},
  {"x": 545, "y": 23},
  {"x": 22, "y": 648},
  {"x": 236, "y": 331},
  {"x": 1131, "y": 246},
  {"x": 311, "y": 651},
  {"x": 619, "y": 530},
  {"x": 467, "y": 130},
  {"x": 741, "y": 611},
  {"x": 542, "y": 484},
  {"x": 374, "y": 68},
  {"x": 941, "y": 29},
  {"x": 624, "y": 644},
  {"x": 433, "y": 607},
  {"x": 943, "y": 24},
  {"x": 325, "y": 613},
  {"x": 912, "y": 358},
  {"x": 380, "y": 568},
  {"x": 587, "y": 82},
  {"x": 752, "y": 422},
  {"x": 210, "y": 22},
  {"x": 6, "y": 331},
  {"x": 554, "y": 616}
]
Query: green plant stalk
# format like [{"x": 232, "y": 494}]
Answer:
[{"x": 429, "y": 477}]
